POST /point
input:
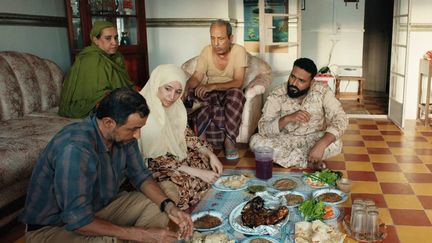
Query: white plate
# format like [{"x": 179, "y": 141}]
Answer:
[
  {"x": 266, "y": 237},
  {"x": 281, "y": 194},
  {"x": 235, "y": 222},
  {"x": 342, "y": 194},
  {"x": 305, "y": 179},
  {"x": 217, "y": 214},
  {"x": 272, "y": 181},
  {"x": 220, "y": 187}
]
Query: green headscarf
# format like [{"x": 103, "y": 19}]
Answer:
[
  {"x": 93, "y": 75},
  {"x": 98, "y": 26}
]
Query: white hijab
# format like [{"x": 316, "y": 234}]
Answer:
[{"x": 164, "y": 131}]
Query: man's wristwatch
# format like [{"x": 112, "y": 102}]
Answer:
[{"x": 164, "y": 203}]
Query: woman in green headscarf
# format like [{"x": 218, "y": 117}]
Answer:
[{"x": 97, "y": 70}]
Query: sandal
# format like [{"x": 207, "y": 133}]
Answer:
[{"x": 231, "y": 154}]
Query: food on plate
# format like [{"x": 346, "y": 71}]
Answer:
[
  {"x": 235, "y": 181},
  {"x": 312, "y": 209},
  {"x": 323, "y": 178},
  {"x": 329, "y": 197},
  {"x": 256, "y": 188},
  {"x": 260, "y": 240},
  {"x": 218, "y": 237},
  {"x": 316, "y": 232},
  {"x": 284, "y": 184},
  {"x": 254, "y": 213},
  {"x": 207, "y": 222},
  {"x": 329, "y": 212},
  {"x": 314, "y": 183},
  {"x": 293, "y": 199}
]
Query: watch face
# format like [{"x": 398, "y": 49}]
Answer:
[{"x": 164, "y": 203}]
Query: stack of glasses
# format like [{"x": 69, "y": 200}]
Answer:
[{"x": 364, "y": 220}]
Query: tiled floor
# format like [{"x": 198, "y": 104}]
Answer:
[
  {"x": 374, "y": 103},
  {"x": 391, "y": 167}
]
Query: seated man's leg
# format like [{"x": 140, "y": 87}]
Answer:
[
  {"x": 128, "y": 209},
  {"x": 151, "y": 216},
  {"x": 287, "y": 150},
  {"x": 233, "y": 103},
  {"x": 50, "y": 234},
  {"x": 333, "y": 149}
]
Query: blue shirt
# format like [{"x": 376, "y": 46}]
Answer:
[{"x": 76, "y": 176}]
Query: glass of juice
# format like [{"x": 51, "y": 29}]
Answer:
[{"x": 264, "y": 162}]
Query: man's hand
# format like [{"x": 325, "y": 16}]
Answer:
[
  {"x": 298, "y": 116},
  {"x": 182, "y": 219},
  {"x": 317, "y": 152},
  {"x": 203, "y": 89}
]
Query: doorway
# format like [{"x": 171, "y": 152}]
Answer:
[{"x": 377, "y": 43}]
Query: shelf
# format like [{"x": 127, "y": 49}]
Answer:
[
  {"x": 425, "y": 71},
  {"x": 112, "y": 15}
]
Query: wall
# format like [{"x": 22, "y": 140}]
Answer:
[
  {"x": 46, "y": 42},
  {"x": 176, "y": 44},
  {"x": 330, "y": 22},
  {"x": 419, "y": 43}
]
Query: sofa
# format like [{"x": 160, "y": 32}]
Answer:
[
  {"x": 29, "y": 96},
  {"x": 258, "y": 78}
]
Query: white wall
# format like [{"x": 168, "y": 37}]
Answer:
[
  {"x": 178, "y": 44},
  {"x": 420, "y": 42},
  {"x": 327, "y": 20},
  {"x": 46, "y": 42}
]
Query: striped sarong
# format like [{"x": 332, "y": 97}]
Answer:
[{"x": 220, "y": 116}]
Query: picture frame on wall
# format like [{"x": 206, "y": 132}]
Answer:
[{"x": 303, "y": 4}]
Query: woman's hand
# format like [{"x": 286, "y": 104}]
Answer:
[
  {"x": 208, "y": 176},
  {"x": 215, "y": 164}
]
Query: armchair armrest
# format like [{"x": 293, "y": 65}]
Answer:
[{"x": 254, "y": 91}]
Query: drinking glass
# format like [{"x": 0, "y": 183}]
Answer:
[
  {"x": 358, "y": 227},
  {"x": 372, "y": 225}
]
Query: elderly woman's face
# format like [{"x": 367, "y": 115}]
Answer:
[
  {"x": 108, "y": 40},
  {"x": 170, "y": 93}
]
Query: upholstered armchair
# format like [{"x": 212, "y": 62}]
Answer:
[{"x": 258, "y": 78}]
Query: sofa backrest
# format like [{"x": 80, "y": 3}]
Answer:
[
  {"x": 256, "y": 66},
  {"x": 27, "y": 84}
]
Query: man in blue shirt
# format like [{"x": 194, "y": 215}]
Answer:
[{"x": 74, "y": 190}]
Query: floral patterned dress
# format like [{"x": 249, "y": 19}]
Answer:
[{"x": 191, "y": 188}]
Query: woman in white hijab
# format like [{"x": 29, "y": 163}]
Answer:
[{"x": 172, "y": 151}]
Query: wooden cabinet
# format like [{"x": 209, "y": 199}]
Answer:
[
  {"x": 128, "y": 15},
  {"x": 425, "y": 71}
]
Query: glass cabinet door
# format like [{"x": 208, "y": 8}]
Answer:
[
  {"x": 120, "y": 12},
  {"x": 78, "y": 42}
]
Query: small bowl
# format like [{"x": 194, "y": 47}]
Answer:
[{"x": 344, "y": 184}]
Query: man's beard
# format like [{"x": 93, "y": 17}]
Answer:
[{"x": 294, "y": 92}]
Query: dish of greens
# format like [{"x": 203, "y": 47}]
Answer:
[
  {"x": 312, "y": 209},
  {"x": 324, "y": 178}
]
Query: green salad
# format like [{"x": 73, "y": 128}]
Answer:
[
  {"x": 327, "y": 176},
  {"x": 312, "y": 209}
]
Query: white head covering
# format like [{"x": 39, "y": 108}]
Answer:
[{"x": 164, "y": 131}]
